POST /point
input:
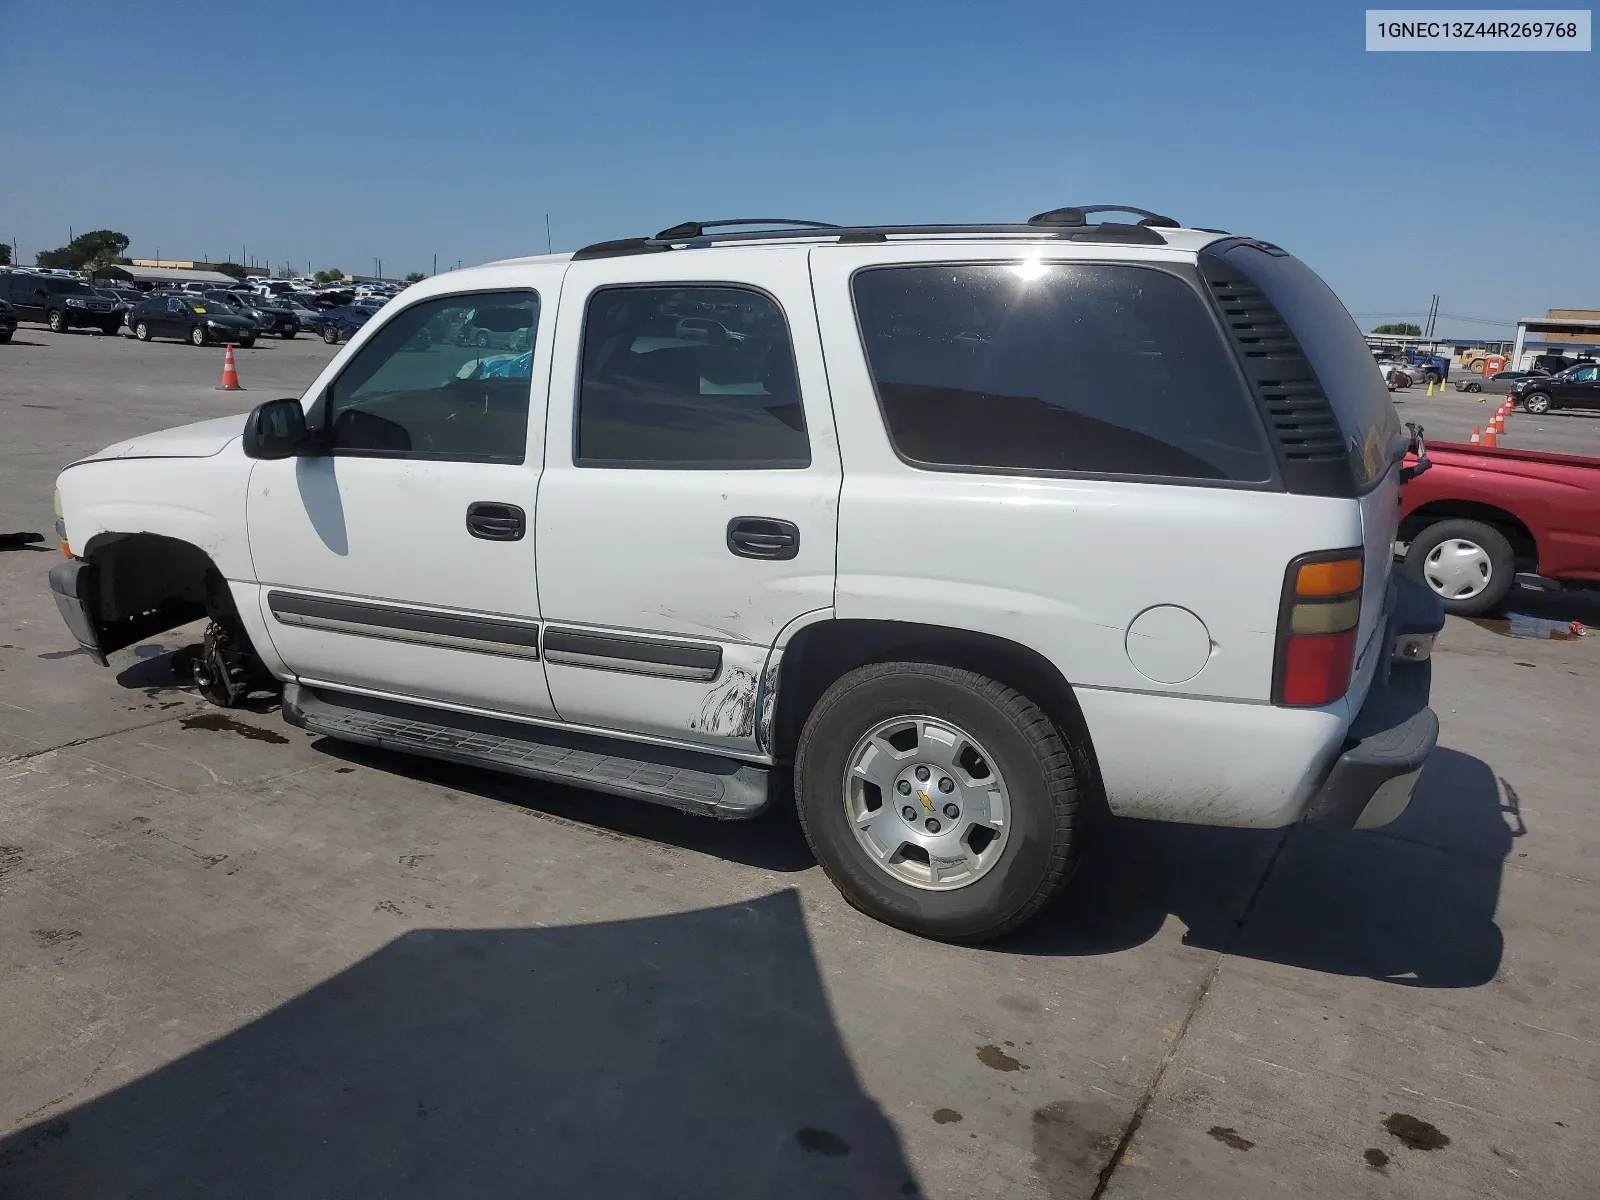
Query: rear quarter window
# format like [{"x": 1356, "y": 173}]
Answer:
[
  {"x": 1057, "y": 368},
  {"x": 1337, "y": 351}
]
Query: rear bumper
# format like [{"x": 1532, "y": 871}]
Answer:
[{"x": 1371, "y": 782}]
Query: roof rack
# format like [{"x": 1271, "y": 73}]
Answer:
[
  {"x": 1075, "y": 217},
  {"x": 1067, "y": 224}
]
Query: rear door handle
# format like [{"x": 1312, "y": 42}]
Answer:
[
  {"x": 496, "y": 522},
  {"x": 763, "y": 537}
]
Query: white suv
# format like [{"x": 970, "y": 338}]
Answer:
[{"x": 971, "y": 531}]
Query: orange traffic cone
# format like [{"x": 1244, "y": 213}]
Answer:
[
  {"x": 1491, "y": 438},
  {"x": 1477, "y": 437},
  {"x": 230, "y": 373}
]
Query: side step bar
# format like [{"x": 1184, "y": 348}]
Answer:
[{"x": 705, "y": 784}]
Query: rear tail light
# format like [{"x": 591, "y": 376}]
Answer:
[{"x": 1317, "y": 623}]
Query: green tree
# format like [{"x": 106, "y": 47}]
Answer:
[
  {"x": 330, "y": 275},
  {"x": 415, "y": 277},
  {"x": 92, "y": 252},
  {"x": 231, "y": 269},
  {"x": 1400, "y": 329},
  {"x": 5, "y": 255}
]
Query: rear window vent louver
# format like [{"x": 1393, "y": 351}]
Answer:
[{"x": 1300, "y": 416}]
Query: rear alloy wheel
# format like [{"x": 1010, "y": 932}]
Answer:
[
  {"x": 56, "y": 320},
  {"x": 1467, "y": 564},
  {"x": 1537, "y": 402},
  {"x": 330, "y": 335},
  {"x": 1472, "y": 387},
  {"x": 142, "y": 331},
  {"x": 937, "y": 800},
  {"x": 198, "y": 336}
]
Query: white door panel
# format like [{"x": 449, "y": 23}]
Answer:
[
  {"x": 369, "y": 573},
  {"x": 640, "y": 553}
]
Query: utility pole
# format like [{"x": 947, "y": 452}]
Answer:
[
  {"x": 435, "y": 264},
  {"x": 547, "y": 246}
]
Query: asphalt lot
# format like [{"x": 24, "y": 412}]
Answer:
[{"x": 237, "y": 960}]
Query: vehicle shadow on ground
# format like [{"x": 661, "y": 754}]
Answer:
[
  {"x": 1576, "y": 605},
  {"x": 159, "y": 672},
  {"x": 684, "y": 1055},
  {"x": 771, "y": 842},
  {"x": 1412, "y": 903}
]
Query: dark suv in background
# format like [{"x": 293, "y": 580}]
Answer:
[
  {"x": 59, "y": 302},
  {"x": 8, "y": 321}
]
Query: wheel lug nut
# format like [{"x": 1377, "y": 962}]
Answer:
[
  {"x": 922, "y": 774},
  {"x": 946, "y": 784},
  {"x": 909, "y": 813},
  {"x": 951, "y": 811},
  {"x": 904, "y": 787},
  {"x": 933, "y": 824}
]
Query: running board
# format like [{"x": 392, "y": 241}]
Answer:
[{"x": 705, "y": 784}]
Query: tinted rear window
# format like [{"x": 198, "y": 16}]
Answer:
[
  {"x": 1041, "y": 368},
  {"x": 1338, "y": 353}
]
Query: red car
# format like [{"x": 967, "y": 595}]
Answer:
[{"x": 1477, "y": 517}]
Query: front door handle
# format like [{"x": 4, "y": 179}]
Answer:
[
  {"x": 496, "y": 522},
  {"x": 763, "y": 537}
]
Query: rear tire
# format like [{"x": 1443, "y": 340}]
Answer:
[
  {"x": 198, "y": 336},
  {"x": 330, "y": 335},
  {"x": 246, "y": 343},
  {"x": 286, "y": 334},
  {"x": 111, "y": 330},
  {"x": 1448, "y": 556},
  {"x": 142, "y": 331},
  {"x": 1025, "y": 761},
  {"x": 56, "y": 320},
  {"x": 1537, "y": 402}
]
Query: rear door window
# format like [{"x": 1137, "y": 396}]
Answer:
[
  {"x": 1057, "y": 368},
  {"x": 689, "y": 377}
]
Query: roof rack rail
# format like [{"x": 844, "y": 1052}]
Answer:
[
  {"x": 700, "y": 234},
  {"x": 1075, "y": 217},
  {"x": 689, "y": 230}
]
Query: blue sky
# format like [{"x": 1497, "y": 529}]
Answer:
[{"x": 403, "y": 130}]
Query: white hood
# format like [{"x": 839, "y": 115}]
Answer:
[{"x": 200, "y": 440}]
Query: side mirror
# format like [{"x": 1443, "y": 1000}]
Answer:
[{"x": 276, "y": 429}]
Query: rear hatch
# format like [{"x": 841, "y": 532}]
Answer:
[{"x": 1337, "y": 431}]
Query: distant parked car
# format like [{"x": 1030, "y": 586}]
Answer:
[
  {"x": 190, "y": 318},
  {"x": 338, "y": 324},
  {"x": 60, "y": 303},
  {"x": 8, "y": 321},
  {"x": 1576, "y": 387},
  {"x": 1396, "y": 374},
  {"x": 124, "y": 298},
  {"x": 1497, "y": 384},
  {"x": 306, "y": 316},
  {"x": 268, "y": 316}
]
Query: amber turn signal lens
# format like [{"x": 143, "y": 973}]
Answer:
[{"x": 1328, "y": 578}]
